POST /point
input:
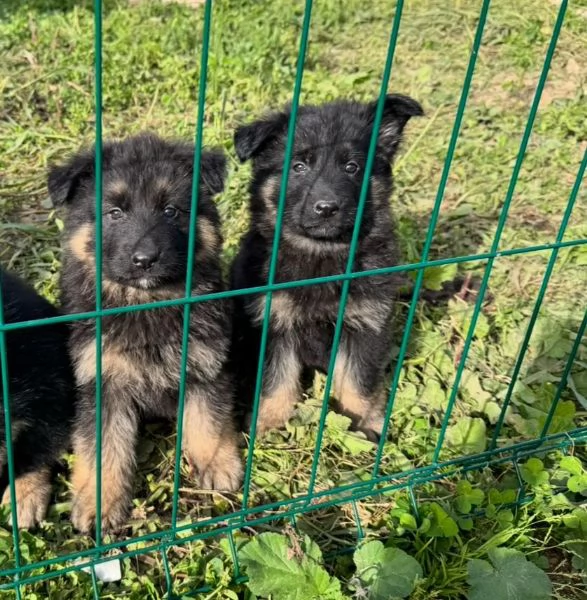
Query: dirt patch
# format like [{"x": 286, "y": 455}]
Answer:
[
  {"x": 567, "y": 582},
  {"x": 504, "y": 89}
]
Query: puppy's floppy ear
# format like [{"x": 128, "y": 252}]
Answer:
[
  {"x": 249, "y": 140},
  {"x": 64, "y": 180},
  {"x": 213, "y": 171},
  {"x": 397, "y": 111}
]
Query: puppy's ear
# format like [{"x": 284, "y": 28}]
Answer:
[
  {"x": 64, "y": 180},
  {"x": 397, "y": 111},
  {"x": 249, "y": 140},
  {"x": 213, "y": 171}
]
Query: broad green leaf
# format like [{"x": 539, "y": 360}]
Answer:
[
  {"x": 408, "y": 521},
  {"x": 434, "y": 277},
  {"x": 465, "y": 523},
  {"x": 467, "y": 497},
  {"x": 441, "y": 523},
  {"x": 311, "y": 549},
  {"x": 505, "y": 518},
  {"x": 277, "y": 570},
  {"x": 502, "y": 497},
  {"x": 564, "y": 414},
  {"x": 509, "y": 576},
  {"x": 578, "y": 484},
  {"x": 492, "y": 410},
  {"x": 464, "y": 317},
  {"x": 533, "y": 472},
  {"x": 338, "y": 421},
  {"x": 386, "y": 572},
  {"x": 352, "y": 441},
  {"x": 467, "y": 436},
  {"x": 433, "y": 396},
  {"x": 472, "y": 386},
  {"x": 571, "y": 464}
]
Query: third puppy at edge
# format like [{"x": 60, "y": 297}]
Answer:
[
  {"x": 326, "y": 173},
  {"x": 147, "y": 185}
]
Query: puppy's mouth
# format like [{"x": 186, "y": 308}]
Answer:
[
  {"x": 144, "y": 282},
  {"x": 325, "y": 231}
]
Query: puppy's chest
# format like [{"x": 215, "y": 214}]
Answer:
[
  {"x": 318, "y": 306},
  {"x": 143, "y": 351},
  {"x": 368, "y": 305}
]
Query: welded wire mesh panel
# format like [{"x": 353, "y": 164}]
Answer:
[{"x": 436, "y": 462}]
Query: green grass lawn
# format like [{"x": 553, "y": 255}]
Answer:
[{"x": 151, "y": 69}]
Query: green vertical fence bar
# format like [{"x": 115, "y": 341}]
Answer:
[
  {"x": 431, "y": 228},
  {"x": 191, "y": 255},
  {"x": 539, "y": 299},
  {"x": 565, "y": 377},
  {"x": 355, "y": 239},
  {"x": 98, "y": 167},
  {"x": 501, "y": 223},
  {"x": 9, "y": 445},
  {"x": 275, "y": 249}
]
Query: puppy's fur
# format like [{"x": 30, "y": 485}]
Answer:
[
  {"x": 147, "y": 186},
  {"x": 326, "y": 173},
  {"x": 41, "y": 390}
]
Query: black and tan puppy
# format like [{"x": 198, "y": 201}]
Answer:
[
  {"x": 326, "y": 173},
  {"x": 147, "y": 186},
  {"x": 41, "y": 391}
]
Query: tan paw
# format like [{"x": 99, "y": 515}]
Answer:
[
  {"x": 271, "y": 416},
  {"x": 372, "y": 426},
  {"x": 33, "y": 491},
  {"x": 83, "y": 512},
  {"x": 225, "y": 470}
]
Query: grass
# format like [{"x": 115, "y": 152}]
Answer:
[{"x": 151, "y": 66}]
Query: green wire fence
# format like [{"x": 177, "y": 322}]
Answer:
[{"x": 23, "y": 573}]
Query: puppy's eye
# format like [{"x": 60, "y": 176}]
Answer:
[
  {"x": 115, "y": 213},
  {"x": 351, "y": 167},
  {"x": 170, "y": 211},
  {"x": 299, "y": 167}
]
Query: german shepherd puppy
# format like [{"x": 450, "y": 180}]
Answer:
[
  {"x": 326, "y": 173},
  {"x": 147, "y": 186},
  {"x": 41, "y": 391}
]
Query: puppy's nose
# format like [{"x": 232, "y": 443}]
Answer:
[
  {"x": 145, "y": 260},
  {"x": 326, "y": 208}
]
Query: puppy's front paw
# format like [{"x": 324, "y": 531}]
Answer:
[
  {"x": 372, "y": 426},
  {"x": 33, "y": 491},
  {"x": 83, "y": 513},
  {"x": 225, "y": 470},
  {"x": 272, "y": 415}
]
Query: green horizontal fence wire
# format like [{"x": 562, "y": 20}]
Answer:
[
  {"x": 69, "y": 318},
  {"x": 289, "y": 509},
  {"x": 191, "y": 254},
  {"x": 275, "y": 249},
  {"x": 359, "y": 490},
  {"x": 501, "y": 224}
]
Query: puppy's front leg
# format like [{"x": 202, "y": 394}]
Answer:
[
  {"x": 210, "y": 441},
  {"x": 281, "y": 383},
  {"x": 119, "y": 435},
  {"x": 358, "y": 382}
]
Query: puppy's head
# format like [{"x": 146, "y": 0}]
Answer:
[
  {"x": 328, "y": 164},
  {"x": 147, "y": 190}
]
